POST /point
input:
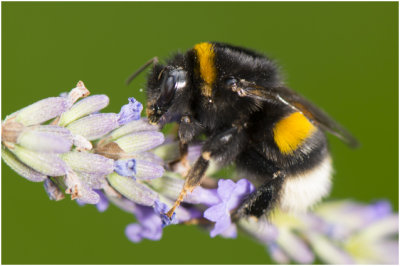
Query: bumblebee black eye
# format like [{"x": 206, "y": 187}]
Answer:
[
  {"x": 231, "y": 82},
  {"x": 168, "y": 90}
]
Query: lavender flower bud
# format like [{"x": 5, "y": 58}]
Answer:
[
  {"x": 21, "y": 169},
  {"x": 43, "y": 141},
  {"x": 46, "y": 163},
  {"x": 42, "y": 111},
  {"x": 88, "y": 162},
  {"x": 133, "y": 126},
  {"x": 148, "y": 170},
  {"x": 132, "y": 189},
  {"x": 94, "y": 126},
  {"x": 140, "y": 141},
  {"x": 84, "y": 107}
]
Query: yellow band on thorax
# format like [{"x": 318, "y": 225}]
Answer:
[
  {"x": 205, "y": 54},
  {"x": 291, "y": 132}
]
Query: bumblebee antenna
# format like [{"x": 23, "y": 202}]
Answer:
[{"x": 152, "y": 61}]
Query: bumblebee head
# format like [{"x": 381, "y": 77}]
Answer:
[{"x": 164, "y": 87}]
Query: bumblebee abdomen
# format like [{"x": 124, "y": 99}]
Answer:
[
  {"x": 292, "y": 131},
  {"x": 303, "y": 190}
]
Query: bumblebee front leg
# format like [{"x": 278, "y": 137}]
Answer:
[
  {"x": 222, "y": 147},
  {"x": 189, "y": 128},
  {"x": 261, "y": 201}
]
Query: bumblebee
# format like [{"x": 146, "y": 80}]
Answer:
[{"x": 236, "y": 98}]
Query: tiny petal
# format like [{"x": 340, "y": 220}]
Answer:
[
  {"x": 94, "y": 126},
  {"x": 42, "y": 111},
  {"x": 125, "y": 167},
  {"x": 44, "y": 142},
  {"x": 45, "y": 163},
  {"x": 133, "y": 233},
  {"x": 133, "y": 126},
  {"x": 52, "y": 190},
  {"x": 84, "y": 107},
  {"x": 149, "y": 227},
  {"x": 130, "y": 111},
  {"x": 88, "y": 162},
  {"x": 147, "y": 170},
  {"x": 103, "y": 204},
  {"x": 221, "y": 225},
  {"x": 21, "y": 169},
  {"x": 230, "y": 232},
  {"x": 133, "y": 190},
  {"x": 140, "y": 141}
]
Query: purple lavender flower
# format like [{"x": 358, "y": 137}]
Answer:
[
  {"x": 231, "y": 194},
  {"x": 151, "y": 220},
  {"x": 130, "y": 111},
  {"x": 149, "y": 226},
  {"x": 125, "y": 167},
  {"x": 161, "y": 209}
]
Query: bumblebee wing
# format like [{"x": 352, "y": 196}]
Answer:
[{"x": 299, "y": 103}]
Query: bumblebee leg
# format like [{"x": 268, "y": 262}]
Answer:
[
  {"x": 261, "y": 201},
  {"x": 223, "y": 147},
  {"x": 188, "y": 129}
]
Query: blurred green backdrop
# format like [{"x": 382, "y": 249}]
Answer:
[{"x": 342, "y": 56}]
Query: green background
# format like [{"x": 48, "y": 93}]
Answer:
[{"x": 342, "y": 56}]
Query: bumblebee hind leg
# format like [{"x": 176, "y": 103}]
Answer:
[{"x": 261, "y": 201}]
